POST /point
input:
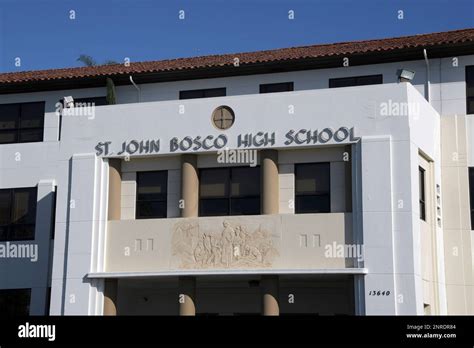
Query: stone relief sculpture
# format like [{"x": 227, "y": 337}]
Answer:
[{"x": 230, "y": 246}]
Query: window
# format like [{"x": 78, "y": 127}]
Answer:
[
  {"x": 276, "y": 87},
  {"x": 312, "y": 191},
  {"x": 17, "y": 214},
  {"x": 421, "y": 175},
  {"x": 229, "y": 191},
  {"x": 471, "y": 194},
  {"x": 21, "y": 123},
  {"x": 152, "y": 190},
  {"x": 15, "y": 302},
  {"x": 470, "y": 89},
  {"x": 202, "y": 93},
  {"x": 88, "y": 101},
  {"x": 356, "y": 81},
  {"x": 223, "y": 117},
  {"x": 96, "y": 101}
]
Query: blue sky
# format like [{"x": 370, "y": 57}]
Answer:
[{"x": 43, "y": 36}]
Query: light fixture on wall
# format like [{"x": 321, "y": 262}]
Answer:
[
  {"x": 68, "y": 102},
  {"x": 405, "y": 75}
]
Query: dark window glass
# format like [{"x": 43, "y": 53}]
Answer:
[
  {"x": 152, "y": 190},
  {"x": 245, "y": 191},
  {"x": 471, "y": 194},
  {"x": 21, "y": 123},
  {"x": 202, "y": 93},
  {"x": 470, "y": 89},
  {"x": 421, "y": 176},
  {"x": 8, "y": 136},
  {"x": 229, "y": 191},
  {"x": 214, "y": 206},
  {"x": 47, "y": 305},
  {"x": 96, "y": 101},
  {"x": 5, "y": 213},
  {"x": 32, "y": 115},
  {"x": 9, "y": 116},
  {"x": 30, "y": 135},
  {"x": 276, "y": 87},
  {"x": 356, "y": 81},
  {"x": 17, "y": 214},
  {"x": 214, "y": 192},
  {"x": 214, "y": 183},
  {"x": 312, "y": 191},
  {"x": 15, "y": 302}
]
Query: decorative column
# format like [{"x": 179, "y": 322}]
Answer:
[
  {"x": 114, "y": 207},
  {"x": 187, "y": 294},
  {"x": 377, "y": 209},
  {"x": 110, "y": 297},
  {"x": 115, "y": 188},
  {"x": 269, "y": 286},
  {"x": 270, "y": 186},
  {"x": 190, "y": 197},
  {"x": 189, "y": 186}
]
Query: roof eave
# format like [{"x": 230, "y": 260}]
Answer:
[{"x": 375, "y": 57}]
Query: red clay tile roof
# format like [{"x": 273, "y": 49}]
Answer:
[{"x": 248, "y": 58}]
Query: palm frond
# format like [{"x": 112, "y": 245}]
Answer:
[{"x": 86, "y": 60}]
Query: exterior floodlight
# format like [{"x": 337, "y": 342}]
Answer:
[
  {"x": 68, "y": 102},
  {"x": 405, "y": 75}
]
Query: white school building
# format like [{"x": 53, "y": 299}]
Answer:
[{"x": 319, "y": 180}]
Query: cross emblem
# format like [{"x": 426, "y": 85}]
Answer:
[{"x": 223, "y": 117}]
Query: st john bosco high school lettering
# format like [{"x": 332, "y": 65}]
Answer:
[{"x": 248, "y": 140}]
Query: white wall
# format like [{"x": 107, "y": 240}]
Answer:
[
  {"x": 448, "y": 88},
  {"x": 49, "y": 160}
]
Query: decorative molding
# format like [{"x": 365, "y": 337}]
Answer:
[
  {"x": 106, "y": 275},
  {"x": 227, "y": 246}
]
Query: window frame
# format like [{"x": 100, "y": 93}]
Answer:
[
  {"x": 315, "y": 193},
  {"x": 229, "y": 198},
  {"x": 422, "y": 192},
  {"x": 204, "y": 91},
  {"x": 163, "y": 198},
  {"x": 10, "y": 302},
  {"x": 356, "y": 83},
  {"x": 96, "y": 101},
  {"x": 263, "y": 87},
  {"x": 471, "y": 194},
  {"x": 10, "y": 226},
  {"x": 469, "y": 83},
  {"x": 18, "y": 128}
]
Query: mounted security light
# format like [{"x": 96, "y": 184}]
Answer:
[
  {"x": 68, "y": 102},
  {"x": 405, "y": 75}
]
